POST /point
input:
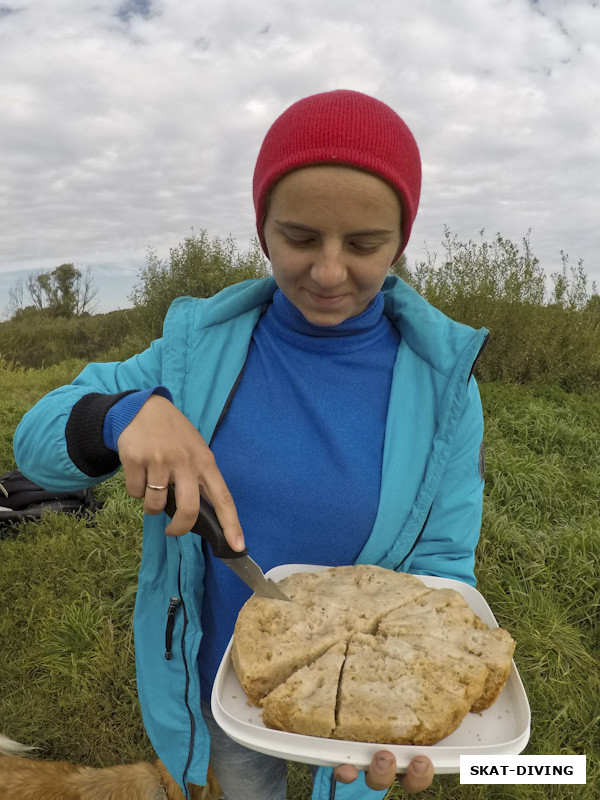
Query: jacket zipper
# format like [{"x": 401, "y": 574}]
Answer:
[
  {"x": 187, "y": 684},
  {"x": 174, "y": 604}
]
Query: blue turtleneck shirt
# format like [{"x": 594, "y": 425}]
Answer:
[{"x": 300, "y": 449}]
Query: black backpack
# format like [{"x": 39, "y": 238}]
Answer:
[{"x": 20, "y": 499}]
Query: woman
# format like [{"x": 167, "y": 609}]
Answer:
[{"x": 328, "y": 413}]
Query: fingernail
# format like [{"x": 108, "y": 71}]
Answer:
[
  {"x": 239, "y": 542},
  {"x": 383, "y": 763},
  {"x": 419, "y": 766}
]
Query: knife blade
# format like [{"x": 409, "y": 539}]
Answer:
[{"x": 208, "y": 527}]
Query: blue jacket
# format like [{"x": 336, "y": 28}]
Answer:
[{"x": 429, "y": 514}]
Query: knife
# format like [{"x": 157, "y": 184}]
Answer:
[{"x": 208, "y": 527}]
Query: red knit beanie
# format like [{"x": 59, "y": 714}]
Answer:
[{"x": 341, "y": 127}]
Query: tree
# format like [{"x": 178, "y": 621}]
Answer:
[
  {"x": 198, "y": 267},
  {"x": 63, "y": 292},
  {"x": 16, "y": 297}
]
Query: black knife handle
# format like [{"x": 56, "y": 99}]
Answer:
[{"x": 207, "y": 526}]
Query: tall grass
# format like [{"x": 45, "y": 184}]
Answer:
[
  {"x": 67, "y": 670},
  {"x": 67, "y": 588},
  {"x": 19, "y": 390}
]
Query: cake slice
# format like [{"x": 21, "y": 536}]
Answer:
[
  {"x": 306, "y": 702},
  {"x": 381, "y": 591},
  {"x": 396, "y": 701},
  {"x": 274, "y": 638},
  {"x": 495, "y": 647},
  {"x": 443, "y": 660},
  {"x": 437, "y": 610},
  {"x": 357, "y": 596}
]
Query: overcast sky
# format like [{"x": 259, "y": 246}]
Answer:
[{"x": 125, "y": 124}]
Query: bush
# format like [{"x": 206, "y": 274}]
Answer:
[
  {"x": 502, "y": 287},
  {"x": 495, "y": 270},
  {"x": 37, "y": 339},
  {"x": 542, "y": 344},
  {"x": 198, "y": 267}
]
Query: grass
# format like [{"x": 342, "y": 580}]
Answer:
[
  {"x": 67, "y": 673},
  {"x": 67, "y": 589}
]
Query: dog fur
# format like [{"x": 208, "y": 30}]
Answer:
[{"x": 30, "y": 779}]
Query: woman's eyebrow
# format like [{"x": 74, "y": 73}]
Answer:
[
  {"x": 372, "y": 232},
  {"x": 307, "y": 229},
  {"x": 295, "y": 226}
]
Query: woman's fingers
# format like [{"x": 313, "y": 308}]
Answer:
[
  {"x": 215, "y": 490},
  {"x": 382, "y": 771},
  {"x": 161, "y": 446},
  {"x": 155, "y": 495},
  {"x": 380, "y": 775},
  {"x": 211, "y": 486},
  {"x": 187, "y": 500},
  {"x": 345, "y": 773},
  {"x": 418, "y": 776}
]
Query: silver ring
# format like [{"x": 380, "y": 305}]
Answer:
[{"x": 156, "y": 488}]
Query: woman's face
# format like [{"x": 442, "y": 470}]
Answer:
[{"x": 332, "y": 233}]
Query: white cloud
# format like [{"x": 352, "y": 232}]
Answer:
[{"x": 128, "y": 122}]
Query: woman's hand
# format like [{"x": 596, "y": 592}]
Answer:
[
  {"x": 382, "y": 773},
  {"x": 161, "y": 446}
]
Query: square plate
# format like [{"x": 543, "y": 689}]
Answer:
[{"x": 502, "y": 729}]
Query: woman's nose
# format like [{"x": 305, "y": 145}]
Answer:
[{"x": 329, "y": 268}]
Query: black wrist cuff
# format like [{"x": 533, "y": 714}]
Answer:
[{"x": 85, "y": 437}]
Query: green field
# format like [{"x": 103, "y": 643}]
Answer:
[{"x": 67, "y": 590}]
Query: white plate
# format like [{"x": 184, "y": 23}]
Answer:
[{"x": 502, "y": 729}]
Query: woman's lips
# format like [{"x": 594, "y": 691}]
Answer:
[{"x": 326, "y": 300}]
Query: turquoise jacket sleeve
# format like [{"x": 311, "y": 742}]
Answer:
[
  {"x": 40, "y": 442},
  {"x": 446, "y": 546},
  {"x": 325, "y": 787}
]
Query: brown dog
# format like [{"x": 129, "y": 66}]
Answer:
[
  {"x": 212, "y": 790},
  {"x": 29, "y": 779}
]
